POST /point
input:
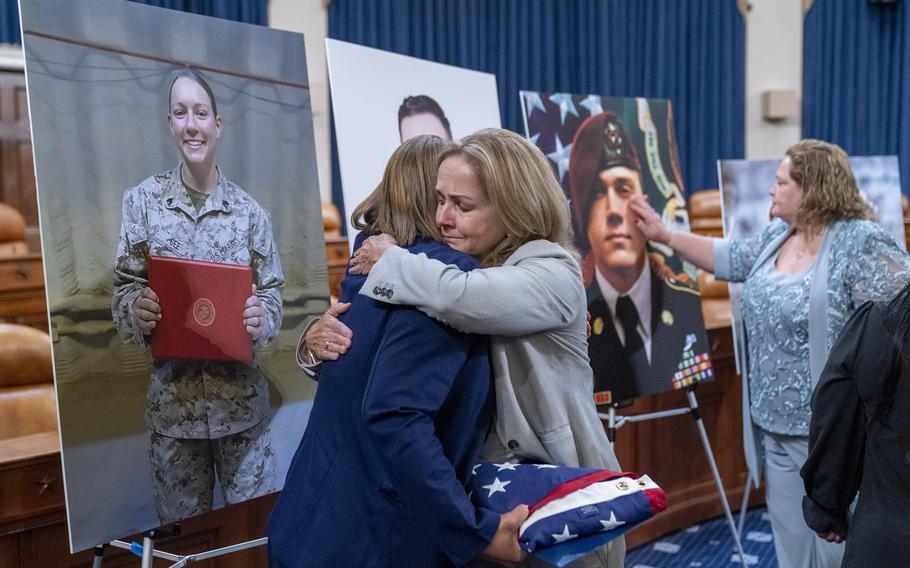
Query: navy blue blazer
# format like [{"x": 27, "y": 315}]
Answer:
[{"x": 397, "y": 423}]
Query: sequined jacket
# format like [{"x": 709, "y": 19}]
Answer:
[
  {"x": 197, "y": 399},
  {"x": 857, "y": 261}
]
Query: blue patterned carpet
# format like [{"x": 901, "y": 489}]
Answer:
[{"x": 709, "y": 545}]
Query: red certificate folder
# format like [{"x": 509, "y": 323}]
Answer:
[{"x": 201, "y": 309}]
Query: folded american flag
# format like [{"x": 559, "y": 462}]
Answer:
[{"x": 572, "y": 510}]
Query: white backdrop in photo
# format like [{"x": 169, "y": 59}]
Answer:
[{"x": 368, "y": 86}]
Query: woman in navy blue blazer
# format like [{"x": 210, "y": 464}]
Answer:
[{"x": 379, "y": 477}]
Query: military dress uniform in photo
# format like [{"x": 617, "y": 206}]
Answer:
[
  {"x": 623, "y": 368},
  {"x": 679, "y": 349},
  {"x": 204, "y": 417}
]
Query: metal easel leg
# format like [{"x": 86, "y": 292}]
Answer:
[
  {"x": 693, "y": 404},
  {"x": 745, "y": 505},
  {"x": 148, "y": 549},
  {"x": 611, "y": 425},
  {"x": 99, "y": 554}
]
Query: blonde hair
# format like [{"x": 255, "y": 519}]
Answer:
[
  {"x": 519, "y": 183},
  {"x": 403, "y": 205},
  {"x": 830, "y": 192}
]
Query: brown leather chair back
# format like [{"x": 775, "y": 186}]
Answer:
[
  {"x": 711, "y": 287},
  {"x": 12, "y": 232},
  {"x": 331, "y": 219},
  {"x": 704, "y": 213},
  {"x": 27, "y": 402},
  {"x": 705, "y": 219}
]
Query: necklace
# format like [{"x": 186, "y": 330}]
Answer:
[{"x": 800, "y": 253}]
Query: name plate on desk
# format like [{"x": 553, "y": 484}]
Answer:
[{"x": 201, "y": 309}]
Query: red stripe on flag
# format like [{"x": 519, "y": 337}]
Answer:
[
  {"x": 579, "y": 483},
  {"x": 657, "y": 498}
]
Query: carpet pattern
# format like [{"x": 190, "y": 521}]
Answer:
[{"x": 709, "y": 545}]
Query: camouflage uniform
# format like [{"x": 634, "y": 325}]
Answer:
[{"x": 189, "y": 401}]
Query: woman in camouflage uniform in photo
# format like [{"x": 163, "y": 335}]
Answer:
[{"x": 205, "y": 418}]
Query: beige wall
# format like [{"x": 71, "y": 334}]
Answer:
[
  {"x": 774, "y": 56},
  {"x": 310, "y": 17}
]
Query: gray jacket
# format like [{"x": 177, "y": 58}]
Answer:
[{"x": 534, "y": 308}]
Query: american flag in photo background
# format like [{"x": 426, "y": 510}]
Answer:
[{"x": 572, "y": 510}]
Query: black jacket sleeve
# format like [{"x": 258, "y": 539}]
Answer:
[{"x": 833, "y": 471}]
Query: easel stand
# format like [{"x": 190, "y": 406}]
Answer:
[
  {"x": 147, "y": 549},
  {"x": 742, "y": 509},
  {"x": 615, "y": 422}
]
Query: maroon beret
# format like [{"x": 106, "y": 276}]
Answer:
[{"x": 601, "y": 143}]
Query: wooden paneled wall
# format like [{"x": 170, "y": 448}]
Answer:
[{"x": 17, "y": 175}]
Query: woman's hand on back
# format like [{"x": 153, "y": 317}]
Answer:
[
  {"x": 370, "y": 252},
  {"x": 329, "y": 339},
  {"x": 648, "y": 221}
]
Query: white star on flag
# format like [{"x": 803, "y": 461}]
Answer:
[
  {"x": 560, "y": 157},
  {"x": 474, "y": 469},
  {"x": 532, "y": 100},
  {"x": 566, "y": 535},
  {"x": 566, "y": 106},
  {"x": 544, "y": 466},
  {"x": 611, "y": 523},
  {"x": 592, "y": 103},
  {"x": 507, "y": 465},
  {"x": 534, "y": 138},
  {"x": 496, "y": 487}
]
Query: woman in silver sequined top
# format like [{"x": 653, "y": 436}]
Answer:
[{"x": 821, "y": 257}]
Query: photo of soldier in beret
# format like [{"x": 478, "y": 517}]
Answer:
[{"x": 647, "y": 330}]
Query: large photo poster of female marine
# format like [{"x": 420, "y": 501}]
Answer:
[
  {"x": 182, "y": 240},
  {"x": 648, "y": 333}
]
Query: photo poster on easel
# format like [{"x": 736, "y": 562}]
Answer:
[
  {"x": 746, "y": 205},
  {"x": 380, "y": 99},
  {"x": 131, "y": 106},
  {"x": 647, "y": 329}
]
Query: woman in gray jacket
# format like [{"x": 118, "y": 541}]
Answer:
[{"x": 530, "y": 299}]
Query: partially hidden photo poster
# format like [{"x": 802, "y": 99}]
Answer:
[
  {"x": 380, "y": 99},
  {"x": 746, "y": 204},
  {"x": 180, "y": 215},
  {"x": 648, "y": 332}
]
